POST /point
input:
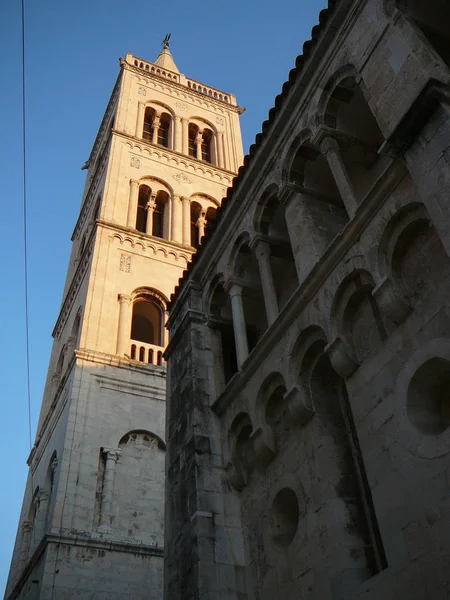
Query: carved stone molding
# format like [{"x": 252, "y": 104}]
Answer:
[
  {"x": 181, "y": 178},
  {"x": 341, "y": 358},
  {"x": 299, "y": 404}
]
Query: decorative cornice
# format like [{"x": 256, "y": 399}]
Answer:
[{"x": 172, "y": 155}]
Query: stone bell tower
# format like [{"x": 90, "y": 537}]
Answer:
[{"x": 92, "y": 519}]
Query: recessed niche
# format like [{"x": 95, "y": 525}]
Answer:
[
  {"x": 284, "y": 515},
  {"x": 428, "y": 399}
]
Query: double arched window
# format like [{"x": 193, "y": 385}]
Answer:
[
  {"x": 157, "y": 127},
  {"x": 201, "y": 143},
  {"x": 151, "y": 210}
]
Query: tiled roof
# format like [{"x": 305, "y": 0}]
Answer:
[{"x": 300, "y": 61}]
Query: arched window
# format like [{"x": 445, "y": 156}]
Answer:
[
  {"x": 210, "y": 216},
  {"x": 193, "y": 132},
  {"x": 149, "y": 117},
  {"x": 158, "y": 214},
  {"x": 206, "y": 145},
  {"x": 147, "y": 321},
  {"x": 196, "y": 211},
  {"x": 143, "y": 198},
  {"x": 163, "y": 130}
]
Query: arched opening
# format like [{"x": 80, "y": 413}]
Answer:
[
  {"x": 196, "y": 211},
  {"x": 163, "y": 130},
  {"x": 222, "y": 338},
  {"x": 272, "y": 224},
  {"x": 210, "y": 217},
  {"x": 358, "y": 316},
  {"x": 433, "y": 19},
  {"x": 207, "y": 139},
  {"x": 192, "y": 140},
  {"x": 348, "y": 112},
  {"x": 242, "y": 454},
  {"x": 143, "y": 199},
  {"x": 246, "y": 270},
  {"x": 149, "y": 117},
  {"x": 311, "y": 175},
  {"x": 158, "y": 217},
  {"x": 147, "y": 322},
  {"x": 419, "y": 261}
]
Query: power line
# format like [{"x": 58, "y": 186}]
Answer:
[{"x": 25, "y": 248}]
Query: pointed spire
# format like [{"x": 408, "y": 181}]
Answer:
[{"x": 165, "y": 58}]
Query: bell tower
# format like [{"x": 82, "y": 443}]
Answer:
[{"x": 92, "y": 519}]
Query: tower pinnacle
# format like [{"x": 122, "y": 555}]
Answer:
[{"x": 165, "y": 58}]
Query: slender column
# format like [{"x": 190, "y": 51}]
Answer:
[
  {"x": 124, "y": 325},
  {"x": 111, "y": 456},
  {"x": 240, "y": 333},
  {"x": 330, "y": 149},
  {"x": 184, "y": 135},
  {"x": 219, "y": 146},
  {"x": 132, "y": 203},
  {"x": 262, "y": 251},
  {"x": 155, "y": 129},
  {"x": 201, "y": 222},
  {"x": 186, "y": 229},
  {"x": 140, "y": 119},
  {"x": 176, "y": 209},
  {"x": 198, "y": 143},
  {"x": 178, "y": 134},
  {"x": 25, "y": 545},
  {"x": 150, "y": 207}
]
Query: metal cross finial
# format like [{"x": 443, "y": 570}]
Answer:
[{"x": 165, "y": 42}]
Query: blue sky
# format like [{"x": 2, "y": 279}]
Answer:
[{"x": 72, "y": 47}]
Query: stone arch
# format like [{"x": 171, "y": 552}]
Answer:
[
  {"x": 148, "y": 436},
  {"x": 356, "y": 318},
  {"x": 411, "y": 253},
  {"x": 290, "y": 153},
  {"x": 217, "y": 304},
  {"x": 241, "y": 452},
  {"x": 147, "y": 323}
]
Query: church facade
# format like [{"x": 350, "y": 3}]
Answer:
[
  {"x": 308, "y": 416},
  {"x": 92, "y": 521}
]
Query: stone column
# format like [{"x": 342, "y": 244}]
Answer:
[
  {"x": 262, "y": 251},
  {"x": 186, "y": 216},
  {"x": 111, "y": 456},
  {"x": 184, "y": 135},
  {"x": 330, "y": 149},
  {"x": 140, "y": 120},
  {"x": 155, "y": 129},
  {"x": 219, "y": 146},
  {"x": 133, "y": 203},
  {"x": 150, "y": 207},
  {"x": 124, "y": 325},
  {"x": 240, "y": 332},
  {"x": 201, "y": 223},
  {"x": 178, "y": 134},
  {"x": 198, "y": 143},
  {"x": 25, "y": 545},
  {"x": 176, "y": 234}
]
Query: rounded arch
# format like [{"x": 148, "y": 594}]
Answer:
[
  {"x": 303, "y": 137},
  {"x": 147, "y": 436},
  {"x": 272, "y": 384},
  {"x": 201, "y": 122},
  {"x": 156, "y": 184},
  {"x": 396, "y": 226},
  {"x": 147, "y": 323},
  {"x": 158, "y": 105},
  {"x": 217, "y": 281},
  {"x": 204, "y": 199},
  {"x": 347, "y": 71},
  {"x": 150, "y": 291},
  {"x": 313, "y": 336},
  {"x": 242, "y": 240},
  {"x": 271, "y": 190}
]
